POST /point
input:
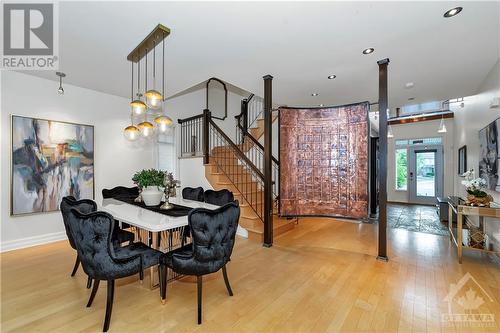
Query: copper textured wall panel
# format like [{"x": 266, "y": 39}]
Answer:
[{"x": 324, "y": 161}]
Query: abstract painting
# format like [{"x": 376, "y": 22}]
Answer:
[
  {"x": 324, "y": 161},
  {"x": 50, "y": 160},
  {"x": 489, "y": 155}
]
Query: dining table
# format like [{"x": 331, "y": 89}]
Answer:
[{"x": 161, "y": 229}]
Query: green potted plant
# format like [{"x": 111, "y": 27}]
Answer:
[{"x": 149, "y": 182}]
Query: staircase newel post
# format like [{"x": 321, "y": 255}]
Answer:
[
  {"x": 244, "y": 105},
  {"x": 206, "y": 136},
  {"x": 383, "y": 105},
  {"x": 268, "y": 171}
]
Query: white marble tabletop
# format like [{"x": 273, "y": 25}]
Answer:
[{"x": 147, "y": 219}]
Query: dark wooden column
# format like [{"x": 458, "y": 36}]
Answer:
[
  {"x": 206, "y": 136},
  {"x": 373, "y": 177},
  {"x": 268, "y": 168},
  {"x": 382, "y": 130}
]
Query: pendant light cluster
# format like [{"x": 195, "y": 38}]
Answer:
[{"x": 148, "y": 106}]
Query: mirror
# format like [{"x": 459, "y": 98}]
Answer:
[{"x": 217, "y": 98}]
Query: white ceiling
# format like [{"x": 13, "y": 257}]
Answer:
[{"x": 299, "y": 43}]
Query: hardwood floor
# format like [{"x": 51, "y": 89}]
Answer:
[{"x": 320, "y": 277}]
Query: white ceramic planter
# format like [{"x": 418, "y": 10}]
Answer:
[{"x": 151, "y": 196}]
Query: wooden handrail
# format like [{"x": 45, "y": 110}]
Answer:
[
  {"x": 180, "y": 121},
  {"x": 237, "y": 150}
]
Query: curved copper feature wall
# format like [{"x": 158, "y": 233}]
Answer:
[{"x": 324, "y": 161}]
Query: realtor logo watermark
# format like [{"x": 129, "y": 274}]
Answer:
[
  {"x": 30, "y": 36},
  {"x": 466, "y": 297}
]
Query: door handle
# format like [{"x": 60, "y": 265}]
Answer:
[{"x": 411, "y": 175}]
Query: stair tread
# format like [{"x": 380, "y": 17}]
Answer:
[
  {"x": 248, "y": 217},
  {"x": 231, "y": 183}
]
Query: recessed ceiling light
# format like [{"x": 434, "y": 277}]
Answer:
[
  {"x": 452, "y": 12},
  {"x": 409, "y": 85},
  {"x": 314, "y": 94},
  {"x": 368, "y": 50},
  {"x": 331, "y": 77},
  {"x": 321, "y": 105}
]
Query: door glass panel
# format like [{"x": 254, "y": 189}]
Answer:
[
  {"x": 426, "y": 175},
  {"x": 401, "y": 169}
]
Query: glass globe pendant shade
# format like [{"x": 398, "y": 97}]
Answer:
[
  {"x": 146, "y": 129},
  {"x": 163, "y": 123},
  {"x": 138, "y": 107},
  {"x": 131, "y": 133},
  {"x": 153, "y": 99}
]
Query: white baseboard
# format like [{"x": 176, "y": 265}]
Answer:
[
  {"x": 57, "y": 236},
  {"x": 32, "y": 241},
  {"x": 242, "y": 232}
]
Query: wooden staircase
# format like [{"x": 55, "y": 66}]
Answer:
[
  {"x": 257, "y": 128},
  {"x": 235, "y": 178}
]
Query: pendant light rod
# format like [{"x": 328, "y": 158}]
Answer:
[
  {"x": 138, "y": 78},
  {"x": 154, "y": 63},
  {"x": 146, "y": 72},
  {"x": 132, "y": 83},
  {"x": 163, "y": 69}
]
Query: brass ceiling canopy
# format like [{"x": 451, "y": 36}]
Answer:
[{"x": 159, "y": 33}]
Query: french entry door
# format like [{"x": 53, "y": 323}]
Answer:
[{"x": 425, "y": 174}]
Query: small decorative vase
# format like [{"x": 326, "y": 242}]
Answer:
[
  {"x": 151, "y": 196},
  {"x": 167, "y": 205},
  {"x": 139, "y": 197}
]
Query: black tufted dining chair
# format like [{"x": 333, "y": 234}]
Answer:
[
  {"x": 192, "y": 193},
  {"x": 120, "y": 191},
  {"x": 213, "y": 233},
  {"x": 85, "y": 206},
  {"x": 219, "y": 198},
  {"x": 88, "y": 206},
  {"x": 101, "y": 260}
]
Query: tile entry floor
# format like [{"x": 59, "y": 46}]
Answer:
[{"x": 415, "y": 218}]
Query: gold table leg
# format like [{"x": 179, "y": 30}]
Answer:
[
  {"x": 154, "y": 245},
  {"x": 459, "y": 236},
  {"x": 450, "y": 221}
]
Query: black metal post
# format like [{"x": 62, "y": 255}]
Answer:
[
  {"x": 383, "y": 107},
  {"x": 206, "y": 136},
  {"x": 244, "y": 111},
  {"x": 373, "y": 177},
  {"x": 268, "y": 162}
]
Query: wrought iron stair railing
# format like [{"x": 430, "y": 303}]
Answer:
[
  {"x": 237, "y": 167},
  {"x": 191, "y": 136},
  {"x": 249, "y": 145}
]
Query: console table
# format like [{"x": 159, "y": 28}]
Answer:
[{"x": 458, "y": 206}]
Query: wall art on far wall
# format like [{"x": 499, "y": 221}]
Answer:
[
  {"x": 489, "y": 155},
  {"x": 462, "y": 160},
  {"x": 50, "y": 160}
]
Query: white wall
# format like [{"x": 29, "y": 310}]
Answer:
[
  {"x": 475, "y": 115},
  {"x": 115, "y": 159},
  {"x": 424, "y": 129}
]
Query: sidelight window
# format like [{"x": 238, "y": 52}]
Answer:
[{"x": 401, "y": 169}]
